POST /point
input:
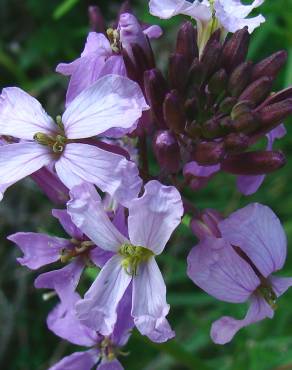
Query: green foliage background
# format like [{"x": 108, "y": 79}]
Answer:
[{"x": 34, "y": 36}]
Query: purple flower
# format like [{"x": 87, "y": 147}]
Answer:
[
  {"x": 103, "y": 351},
  {"x": 113, "y": 101},
  {"x": 239, "y": 266},
  {"x": 152, "y": 219}
]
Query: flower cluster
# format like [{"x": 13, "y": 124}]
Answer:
[{"x": 119, "y": 213}]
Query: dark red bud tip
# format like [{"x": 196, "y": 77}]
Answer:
[
  {"x": 240, "y": 78},
  {"x": 173, "y": 110},
  {"x": 96, "y": 20},
  {"x": 254, "y": 163},
  {"x": 155, "y": 90},
  {"x": 277, "y": 97},
  {"x": 178, "y": 71},
  {"x": 272, "y": 115},
  {"x": 210, "y": 57},
  {"x": 166, "y": 150},
  {"x": 270, "y": 66},
  {"x": 256, "y": 92},
  {"x": 208, "y": 153},
  {"x": 187, "y": 42}
]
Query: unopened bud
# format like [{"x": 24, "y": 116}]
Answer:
[
  {"x": 212, "y": 128},
  {"x": 257, "y": 91},
  {"x": 210, "y": 57},
  {"x": 187, "y": 42},
  {"x": 217, "y": 83},
  {"x": 96, "y": 20},
  {"x": 166, "y": 150},
  {"x": 208, "y": 153},
  {"x": 235, "y": 49},
  {"x": 236, "y": 142},
  {"x": 173, "y": 110},
  {"x": 227, "y": 104},
  {"x": 240, "y": 78},
  {"x": 254, "y": 163},
  {"x": 277, "y": 97},
  {"x": 178, "y": 71},
  {"x": 270, "y": 66},
  {"x": 247, "y": 122},
  {"x": 156, "y": 90},
  {"x": 240, "y": 108},
  {"x": 206, "y": 224},
  {"x": 191, "y": 108},
  {"x": 195, "y": 73}
]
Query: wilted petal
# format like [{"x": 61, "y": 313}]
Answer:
[
  {"x": 20, "y": 160},
  {"x": 110, "y": 172},
  {"x": 224, "y": 329},
  {"x": 98, "y": 309},
  {"x": 39, "y": 249},
  {"x": 87, "y": 212},
  {"x": 110, "y": 365},
  {"x": 216, "y": 268},
  {"x": 65, "y": 220},
  {"x": 280, "y": 284},
  {"x": 112, "y": 101},
  {"x": 168, "y": 8},
  {"x": 78, "y": 361},
  {"x": 154, "y": 216},
  {"x": 22, "y": 116},
  {"x": 258, "y": 232},
  {"x": 149, "y": 303}
]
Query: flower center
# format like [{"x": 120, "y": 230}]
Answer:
[
  {"x": 133, "y": 256},
  {"x": 81, "y": 248},
  {"x": 267, "y": 292},
  {"x": 114, "y": 39},
  {"x": 57, "y": 143}
]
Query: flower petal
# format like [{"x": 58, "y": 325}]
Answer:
[
  {"x": 78, "y": 361},
  {"x": 149, "y": 303},
  {"x": 153, "y": 32},
  {"x": 22, "y": 116},
  {"x": 154, "y": 216},
  {"x": 110, "y": 365},
  {"x": 224, "y": 329},
  {"x": 248, "y": 185},
  {"x": 280, "y": 284},
  {"x": 87, "y": 212},
  {"x": 258, "y": 232},
  {"x": 113, "y": 101},
  {"x": 97, "y": 43},
  {"x": 110, "y": 172},
  {"x": 39, "y": 249},
  {"x": 98, "y": 309},
  {"x": 65, "y": 220},
  {"x": 20, "y": 160},
  {"x": 216, "y": 268}
]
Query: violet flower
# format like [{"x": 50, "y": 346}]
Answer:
[
  {"x": 112, "y": 102},
  {"x": 239, "y": 266},
  {"x": 152, "y": 219}
]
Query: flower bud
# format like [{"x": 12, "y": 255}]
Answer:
[
  {"x": 155, "y": 90},
  {"x": 236, "y": 142},
  {"x": 195, "y": 73},
  {"x": 191, "y": 108},
  {"x": 276, "y": 97},
  {"x": 227, "y": 104},
  {"x": 239, "y": 78},
  {"x": 96, "y": 20},
  {"x": 253, "y": 163},
  {"x": 212, "y": 128},
  {"x": 206, "y": 224},
  {"x": 235, "y": 49},
  {"x": 166, "y": 150},
  {"x": 186, "y": 43},
  {"x": 173, "y": 110},
  {"x": 247, "y": 122},
  {"x": 178, "y": 71},
  {"x": 270, "y": 66},
  {"x": 217, "y": 83},
  {"x": 210, "y": 57},
  {"x": 208, "y": 153},
  {"x": 257, "y": 91},
  {"x": 240, "y": 108}
]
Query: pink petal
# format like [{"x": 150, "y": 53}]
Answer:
[
  {"x": 154, "y": 216},
  {"x": 153, "y": 32},
  {"x": 216, "y": 268},
  {"x": 110, "y": 172},
  {"x": 87, "y": 213},
  {"x": 20, "y": 160},
  {"x": 22, "y": 116},
  {"x": 39, "y": 249},
  {"x": 113, "y": 101},
  {"x": 224, "y": 329},
  {"x": 78, "y": 361},
  {"x": 98, "y": 309},
  {"x": 149, "y": 303},
  {"x": 258, "y": 232},
  {"x": 65, "y": 220}
]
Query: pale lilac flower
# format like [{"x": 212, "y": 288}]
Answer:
[
  {"x": 152, "y": 219},
  {"x": 103, "y": 351},
  {"x": 239, "y": 266},
  {"x": 112, "y": 102}
]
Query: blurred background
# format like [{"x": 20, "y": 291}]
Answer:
[{"x": 34, "y": 37}]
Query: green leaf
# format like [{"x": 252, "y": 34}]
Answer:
[{"x": 64, "y": 8}]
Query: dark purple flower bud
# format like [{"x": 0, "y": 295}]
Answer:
[
  {"x": 212, "y": 128},
  {"x": 253, "y": 163},
  {"x": 235, "y": 49},
  {"x": 210, "y": 57},
  {"x": 240, "y": 78},
  {"x": 227, "y": 104},
  {"x": 193, "y": 129},
  {"x": 217, "y": 83},
  {"x": 208, "y": 153},
  {"x": 277, "y": 97},
  {"x": 96, "y": 20},
  {"x": 257, "y": 91},
  {"x": 191, "y": 108},
  {"x": 270, "y": 66},
  {"x": 125, "y": 7},
  {"x": 186, "y": 43},
  {"x": 236, "y": 142},
  {"x": 166, "y": 150},
  {"x": 156, "y": 90},
  {"x": 195, "y": 73},
  {"x": 247, "y": 122},
  {"x": 206, "y": 224},
  {"x": 240, "y": 108},
  {"x": 178, "y": 71},
  {"x": 173, "y": 110}
]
